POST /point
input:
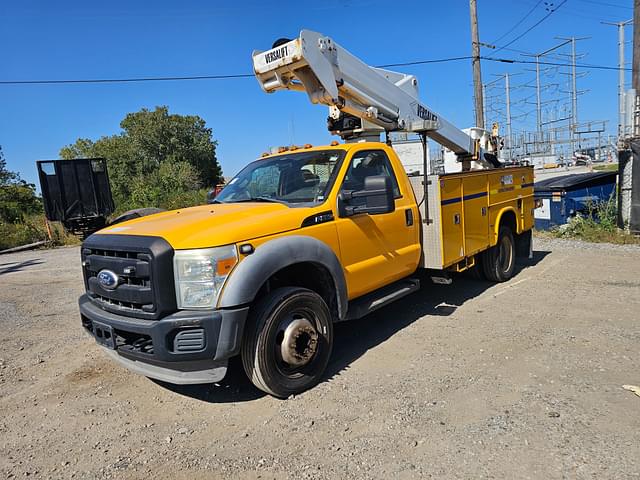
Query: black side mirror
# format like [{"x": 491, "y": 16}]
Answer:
[{"x": 377, "y": 198}]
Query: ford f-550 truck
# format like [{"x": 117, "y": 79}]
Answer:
[{"x": 303, "y": 238}]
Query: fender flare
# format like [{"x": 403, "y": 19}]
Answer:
[
  {"x": 496, "y": 228},
  {"x": 247, "y": 278}
]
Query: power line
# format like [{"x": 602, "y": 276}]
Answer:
[
  {"x": 605, "y": 4},
  {"x": 249, "y": 75},
  {"x": 423, "y": 62},
  {"x": 555, "y": 64},
  {"x": 198, "y": 77},
  {"x": 518, "y": 23},
  {"x": 551, "y": 12},
  {"x": 124, "y": 80}
]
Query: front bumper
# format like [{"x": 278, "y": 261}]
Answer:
[{"x": 186, "y": 347}]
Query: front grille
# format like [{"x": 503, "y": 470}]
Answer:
[
  {"x": 121, "y": 304},
  {"x": 144, "y": 270},
  {"x": 135, "y": 288}
]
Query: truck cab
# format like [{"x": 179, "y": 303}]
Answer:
[{"x": 296, "y": 242}]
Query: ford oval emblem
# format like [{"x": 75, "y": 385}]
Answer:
[{"x": 107, "y": 279}]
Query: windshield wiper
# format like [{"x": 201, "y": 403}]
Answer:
[{"x": 260, "y": 199}]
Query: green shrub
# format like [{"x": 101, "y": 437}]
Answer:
[
  {"x": 171, "y": 186},
  {"x": 157, "y": 160},
  {"x": 32, "y": 229},
  {"x": 599, "y": 224}
]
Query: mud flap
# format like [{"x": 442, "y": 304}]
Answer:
[{"x": 524, "y": 245}]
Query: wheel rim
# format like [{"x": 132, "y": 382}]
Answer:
[
  {"x": 505, "y": 256},
  {"x": 297, "y": 342}
]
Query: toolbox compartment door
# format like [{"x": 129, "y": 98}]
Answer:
[
  {"x": 452, "y": 220},
  {"x": 476, "y": 214}
]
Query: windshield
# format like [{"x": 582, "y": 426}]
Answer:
[{"x": 297, "y": 178}]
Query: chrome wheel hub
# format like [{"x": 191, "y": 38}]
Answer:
[{"x": 300, "y": 342}]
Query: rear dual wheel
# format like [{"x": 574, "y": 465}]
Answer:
[
  {"x": 499, "y": 262},
  {"x": 288, "y": 341}
]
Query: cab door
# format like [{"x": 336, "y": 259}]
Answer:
[{"x": 377, "y": 250}]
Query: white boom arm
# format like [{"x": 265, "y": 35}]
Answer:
[{"x": 334, "y": 77}]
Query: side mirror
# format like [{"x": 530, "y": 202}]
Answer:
[
  {"x": 377, "y": 198},
  {"x": 213, "y": 193}
]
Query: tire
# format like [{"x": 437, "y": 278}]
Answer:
[
  {"x": 300, "y": 316},
  {"x": 499, "y": 262},
  {"x": 137, "y": 213}
]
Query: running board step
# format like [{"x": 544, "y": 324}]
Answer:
[{"x": 373, "y": 301}]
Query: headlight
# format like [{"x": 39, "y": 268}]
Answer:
[{"x": 200, "y": 275}]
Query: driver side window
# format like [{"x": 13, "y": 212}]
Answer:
[{"x": 368, "y": 163}]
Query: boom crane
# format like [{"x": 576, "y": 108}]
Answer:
[{"x": 363, "y": 101}]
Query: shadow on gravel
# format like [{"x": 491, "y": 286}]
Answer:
[
  {"x": 353, "y": 339},
  {"x": 17, "y": 267},
  {"x": 235, "y": 387}
]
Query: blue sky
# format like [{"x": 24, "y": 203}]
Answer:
[{"x": 46, "y": 39}]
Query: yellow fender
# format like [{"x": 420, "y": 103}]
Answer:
[{"x": 496, "y": 226}]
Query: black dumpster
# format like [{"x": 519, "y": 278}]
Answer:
[
  {"x": 76, "y": 193},
  {"x": 565, "y": 196}
]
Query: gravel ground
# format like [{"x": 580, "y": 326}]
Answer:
[{"x": 472, "y": 380}]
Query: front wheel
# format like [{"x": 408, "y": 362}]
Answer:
[
  {"x": 288, "y": 341},
  {"x": 499, "y": 262}
]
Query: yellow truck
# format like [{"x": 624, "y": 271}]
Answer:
[{"x": 295, "y": 242}]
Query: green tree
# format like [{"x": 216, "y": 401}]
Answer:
[
  {"x": 17, "y": 197},
  {"x": 157, "y": 158}
]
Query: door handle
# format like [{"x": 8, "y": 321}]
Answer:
[{"x": 408, "y": 216}]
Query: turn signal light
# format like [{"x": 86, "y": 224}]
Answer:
[{"x": 224, "y": 266}]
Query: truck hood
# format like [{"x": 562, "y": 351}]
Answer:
[{"x": 214, "y": 225}]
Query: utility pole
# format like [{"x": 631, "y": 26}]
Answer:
[
  {"x": 477, "y": 72},
  {"x": 574, "y": 97},
  {"x": 574, "y": 85},
  {"x": 634, "y": 218},
  {"x": 574, "y": 90},
  {"x": 509, "y": 121},
  {"x": 621, "y": 79},
  {"x": 621, "y": 82},
  {"x": 538, "y": 56},
  {"x": 508, "y": 94},
  {"x": 636, "y": 63},
  {"x": 538, "y": 102}
]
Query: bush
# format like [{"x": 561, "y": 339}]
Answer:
[
  {"x": 599, "y": 224},
  {"x": 157, "y": 160},
  {"x": 172, "y": 185},
  {"x": 32, "y": 229}
]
